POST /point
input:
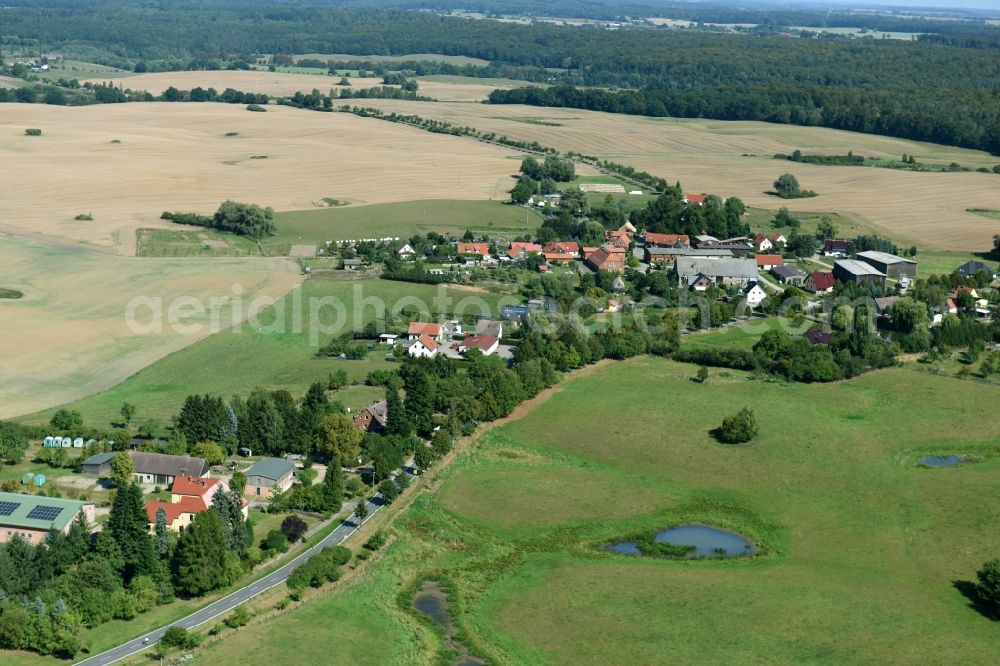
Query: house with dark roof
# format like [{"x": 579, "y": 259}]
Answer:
[
  {"x": 788, "y": 275},
  {"x": 162, "y": 469},
  {"x": 32, "y": 517},
  {"x": 721, "y": 271},
  {"x": 833, "y": 247},
  {"x": 268, "y": 477},
  {"x": 970, "y": 268},
  {"x": 372, "y": 418}
]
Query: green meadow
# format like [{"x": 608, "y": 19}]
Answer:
[
  {"x": 404, "y": 219},
  {"x": 863, "y": 554},
  {"x": 275, "y": 352}
]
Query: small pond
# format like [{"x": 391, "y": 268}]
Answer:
[
  {"x": 432, "y": 601},
  {"x": 945, "y": 461},
  {"x": 704, "y": 540}
]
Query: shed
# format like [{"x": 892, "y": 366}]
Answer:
[
  {"x": 66, "y": 442},
  {"x": 47, "y": 442},
  {"x": 27, "y": 479},
  {"x": 39, "y": 480},
  {"x": 98, "y": 464},
  {"x": 78, "y": 443}
]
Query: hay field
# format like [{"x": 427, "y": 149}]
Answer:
[
  {"x": 927, "y": 209},
  {"x": 177, "y": 157},
  {"x": 68, "y": 336},
  {"x": 270, "y": 83},
  {"x": 463, "y": 88}
]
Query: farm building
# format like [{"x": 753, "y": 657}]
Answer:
[
  {"x": 835, "y": 248},
  {"x": 735, "y": 272},
  {"x": 789, "y": 275},
  {"x": 849, "y": 270},
  {"x": 668, "y": 254},
  {"x": 32, "y": 517},
  {"x": 889, "y": 264},
  {"x": 970, "y": 268},
  {"x": 162, "y": 469},
  {"x": 269, "y": 476},
  {"x": 820, "y": 282},
  {"x": 98, "y": 465},
  {"x": 353, "y": 264},
  {"x": 372, "y": 418}
]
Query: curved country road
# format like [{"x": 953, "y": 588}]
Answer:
[{"x": 234, "y": 599}]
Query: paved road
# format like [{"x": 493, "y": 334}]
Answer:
[{"x": 231, "y": 601}]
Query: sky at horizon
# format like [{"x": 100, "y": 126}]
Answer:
[{"x": 943, "y": 4}]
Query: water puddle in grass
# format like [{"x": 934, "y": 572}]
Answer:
[
  {"x": 432, "y": 601},
  {"x": 944, "y": 461},
  {"x": 701, "y": 541}
]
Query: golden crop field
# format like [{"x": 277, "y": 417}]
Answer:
[
  {"x": 179, "y": 157},
  {"x": 270, "y": 83},
  {"x": 735, "y": 159},
  {"x": 68, "y": 336}
]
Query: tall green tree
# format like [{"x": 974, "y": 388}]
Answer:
[
  {"x": 419, "y": 403},
  {"x": 128, "y": 413},
  {"x": 122, "y": 469},
  {"x": 332, "y": 489},
  {"x": 398, "y": 422},
  {"x": 262, "y": 430},
  {"x": 229, "y": 506},
  {"x": 201, "y": 562},
  {"x": 129, "y": 527},
  {"x": 162, "y": 543}
]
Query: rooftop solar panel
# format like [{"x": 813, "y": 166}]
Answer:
[
  {"x": 7, "y": 508},
  {"x": 44, "y": 512}
]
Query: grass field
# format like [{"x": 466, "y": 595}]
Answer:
[
  {"x": 861, "y": 549},
  {"x": 462, "y": 88},
  {"x": 270, "y": 355},
  {"x": 178, "y": 157},
  {"x": 742, "y": 336},
  {"x": 735, "y": 159},
  {"x": 402, "y": 220},
  {"x": 70, "y": 335},
  {"x": 168, "y": 243}
]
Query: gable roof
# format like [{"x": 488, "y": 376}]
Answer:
[
  {"x": 192, "y": 485},
  {"x": 667, "y": 240},
  {"x": 970, "y": 268},
  {"x": 562, "y": 246},
  {"x": 694, "y": 198},
  {"x": 62, "y": 511},
  {"x": 751, "y": 286},
  {"x": 770, "y": 260},
  {"x": 835, "y": 245},
  {"x": 427, "y": 342},
  {"x": 710, "y": 267},
  {"x": 528, "y": 248},
  {"x": 884, "y": 257},
  {"x": 187, "y": 504},
  {"x": 605, "y": 255},
  {"x": 161, "y": 464},
  {"x": 855, "y": 267},
  {"x": 99, "y": 458},
  {"x": 822, "y": 280},
  {"x": 271, "y": 468},
  {"x": 481, "y": 342},
  {"x": 787, "y": 272},
  {"x": 474, "y": 248},
  {"x": 421, "y": 328}
]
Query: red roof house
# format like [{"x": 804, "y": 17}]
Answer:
[
  {"x": 570, "y": 247},
  {"x": 694, "y": 199},
  {"x": 418, "y": 328},
  {"x": 667, "y": 240},
  {"x": 607, "y": 258},
  {"x": 482, "y": 249},
  {"x": 768, "y": 261},
  {"x": 519, "y": 250},
  {"x": 821, "y": 281},
  {"x": 485, "y": 343}
]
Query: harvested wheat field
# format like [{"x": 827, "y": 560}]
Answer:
[
  {"x": 462, "y": 88},
  {"x": 928, "y": 209},
  {"x": 269, "y": 83},
  {"x": 69, "y": 336},
  {"x": 179, "y": 157}
]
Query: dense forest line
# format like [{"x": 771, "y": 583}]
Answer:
[{"x": 918, "y": 90}]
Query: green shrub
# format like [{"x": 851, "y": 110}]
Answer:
[
  {"x": 376, "y": 541},
  {"x": 84, "y": 217},
  {"x": 275, "y": 542},
  {"x": 179, "y": 637},
  {"x": 232, "y": 133},
  {"x": 256, "y": 107},
  {"x": 238, "y": 618},
  {"x": 739, "y": 428},
  {"x": 32, "y": 131}
]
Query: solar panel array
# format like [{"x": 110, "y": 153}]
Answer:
[
  {"x": 43, "y": 512},
  {"x": 7, "y": 508}
]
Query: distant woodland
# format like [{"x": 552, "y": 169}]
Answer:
[{"x": 943, "y": 87}]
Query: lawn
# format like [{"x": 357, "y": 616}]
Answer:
[
  {"x": 760, "y": 219},
  {"x": 168, "y": 243},
  {"x": 862, "y": 552},
  {"x": 273, "y": 355},
  {"x": 398, "y": 220},
  {"x": 743, "y": 335}
]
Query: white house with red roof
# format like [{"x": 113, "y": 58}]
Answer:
[
  {"x": 487, "y": 344},
  {"x": 698, "y": 199},
  {"x": 189, "y": 495},
  {"x": 423, "y": 347},
  {"x": 763, "y": 244},
  {"x": 766, "y": 262},
  {"x": 470, "y": 249},
  {"x": 519, "y": 250},
  {"x": 419, "y": 328}
]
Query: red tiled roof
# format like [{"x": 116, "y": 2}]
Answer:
[
  {"x": 187, "y": 504},
  {"x": 607, "y": 258},
  {"x": 562, "y": 246},
  {"x": 420, "y": 328},
  {"x": 559, "y": 256},
  {"x": 667, "y": 240},
  {"x": 822, "y": 280},
  {"x": 694, "y": 198},
  {"x": 481, "y": 342},
  {"x": 190, "y": 485},
  {"x": 770, "y": 260},
  {"x": 474, "y": 248},
  {"x": 426, "y": 341}
]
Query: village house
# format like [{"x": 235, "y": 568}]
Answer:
[
  {"x": 487, "y": 344},
  {"x": 559, "y": 257},
  {"x": 607, "y": 258},
  {"x": 33, "y": 517},
  {"x": 372, "y": 418},
  {"x": 352, "y": 264},
  {"x": 820, "y": 282},
  {"x": 762, "y": 244},
  {"x": 835, "y": 248},
  {"x": 850, "y": 270},
  {"x": 562, "y": 247},
  {"x": 666, "y": 240},
  {"x": 754, "y": 294},
  {"x": 788, "y": 275},
  {"x": 268, "y": 477},
  {"x": 889, "y": 264},
  {"x": 489, "y": 327},
  {"x": 692, "y": 199},
  {"x": 419, "y": 328},
  {"x": 520, "y": 250},
  {"x": 970, "y": 268},
  {"x": 161, "y": 469},
  {"x": 620, "y": 239},
  {"x": 188, "y": 496},
  {"x": 406, "y": 252},
  {"x": 481, "y": 250},
  {"x": 423, "y": 347},
  {"x": 766, "y": 262}
]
